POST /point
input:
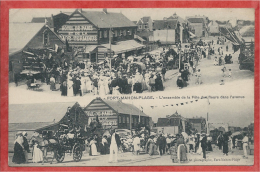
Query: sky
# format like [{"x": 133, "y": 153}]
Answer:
[{"x": 134, "y": 14}]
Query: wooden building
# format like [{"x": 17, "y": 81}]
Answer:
[
  {"x": 172, "y": 124},
  {"x": 199, "y": 25},
  {"x": 199, "y": 124},
  {"x": 43, "y": 116},
  {"x": 24, "y": 36},
  {"x": 95, "y": 35},
  {"x": 116, "y": 114}
]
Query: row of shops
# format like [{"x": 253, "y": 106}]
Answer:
[{"x": 86, "y": 35}]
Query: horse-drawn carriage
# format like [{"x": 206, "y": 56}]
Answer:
[
  {"x": 69, "y": 143},
  {"x": 60, "y": 143}
]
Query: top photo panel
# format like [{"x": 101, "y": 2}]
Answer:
[{"x": 67, "y": 54}]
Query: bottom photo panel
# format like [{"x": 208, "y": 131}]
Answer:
[{"x": 196, "y": 131}]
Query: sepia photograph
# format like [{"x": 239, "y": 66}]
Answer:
[{"x": 131, "y": 87}]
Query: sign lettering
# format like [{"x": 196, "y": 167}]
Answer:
[
  {"x": 77, "y": 28},
  {"x": 100, "y": 113},
  {"x": 79, "y": 38}
]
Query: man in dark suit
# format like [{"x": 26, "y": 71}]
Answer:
[{"x": 115, "y": 143}]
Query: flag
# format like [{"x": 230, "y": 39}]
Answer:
[{"x": 56, "y": 48}]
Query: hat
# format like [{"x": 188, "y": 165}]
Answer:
[{"x": 19, "y": 133}]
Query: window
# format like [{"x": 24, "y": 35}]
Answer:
[
  {"x": 119, "y": 119},
  {"x": 120, "y": 31},
  {"x": 45, "y": 38},
  {"x": 123, "y": 119},
  {"x": 140, "y": 26},
  {"x": 105, "y": 34},
  {"x": 124, "y": 32},
  {"x": 116, "y": 33},
  {"x": 127, "y": 119},
  {"x": 146, "y": 26},
  {"x": 100, "y": 34}
]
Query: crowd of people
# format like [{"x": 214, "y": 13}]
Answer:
[{"x": 177, "y": 146}]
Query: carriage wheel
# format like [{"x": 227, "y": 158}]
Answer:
[
  {"x": 59, "y": 155},
  {"x": 77, "y": 152}
]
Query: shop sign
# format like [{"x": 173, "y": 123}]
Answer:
[
  {"x": 104, "y": 120},
  {"x": 100, "y": 113},
  {"x": 78, "y": 33}
]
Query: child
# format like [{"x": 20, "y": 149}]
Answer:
[
  {"x": 198, "y": 75},
  {"x": 222, "y": 82},
  {"x": 37, "y": 153},
  {"x": 224, "y": 71},
  {"x": 229, "y": 73}
]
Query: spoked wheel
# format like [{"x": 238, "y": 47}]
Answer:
[
  {"x": 59, "y": 155},
  {"x": 77, "y": 152}
]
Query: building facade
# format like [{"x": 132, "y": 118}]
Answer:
[
  {"x": 199, "y": 25},
  {"x": 213, "y": 28},
  {"x": 116, "y": 114},
  {"x": 172, "y": 124},
  {"x": 145, "y": 24},
  {"x": 37, "y": 36},
  {"x": 95, "y": 35},
  {"x": 199, "y": 124}
]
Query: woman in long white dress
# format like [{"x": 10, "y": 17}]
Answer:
[
  {"x": 93, "y": 147},
  {"x": 147, "y": 76},
  {"x": 70, "y": 87},
  {"x": 199, "y": 151},
  {"x": 37, "y": 153},
  {"x": 107, "y": 82},
  {"x": 101, "y": 85},
  {"x": 89, "y": 86}
]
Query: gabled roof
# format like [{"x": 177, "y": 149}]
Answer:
[
  {"x": 146, "y": 19},
  {"x": 42, "y": 20},
  {"x": 107, "y": 20},
  {"x": 40, "y": 112},
  {"x": 178, "y": 18},
  {"x": 117, "y": 106},
  {"x": 124, "y": 108},
  {"x": 196, "y": 120},
  {"x": 162, "y": 24},
  {"x": 196, "y": 20},
  {"x": 20, "y": 34},
  {"x": 158, "y": 24}
]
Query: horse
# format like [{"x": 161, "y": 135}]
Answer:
[{"x": 45, "y": 146}]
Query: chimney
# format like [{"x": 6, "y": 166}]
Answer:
[{"x": 105, "y": 10}]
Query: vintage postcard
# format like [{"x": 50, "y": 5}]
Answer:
[{"x": 93, "y": 87}]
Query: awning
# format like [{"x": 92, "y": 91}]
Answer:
[
  {"x": 90, "y": 48},
  {"x": 192, "y": 35},
  {"x": 29, "y": 72},
  {"x": 124, "y": 46}
]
